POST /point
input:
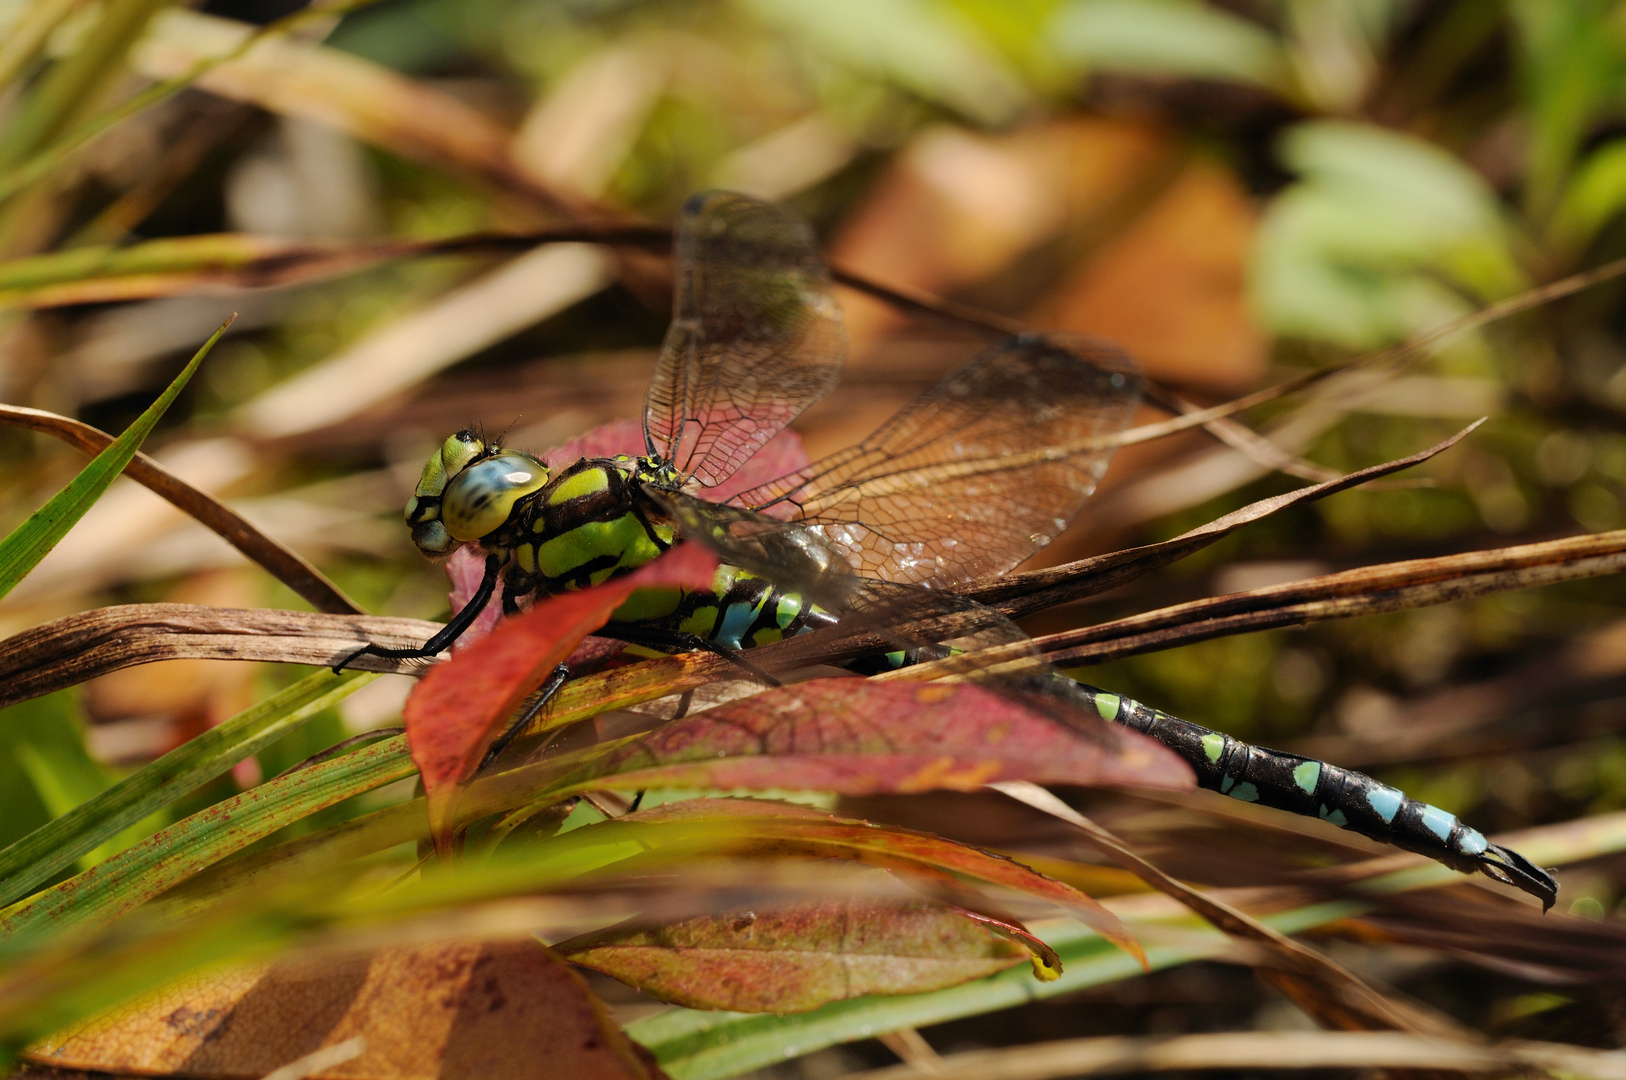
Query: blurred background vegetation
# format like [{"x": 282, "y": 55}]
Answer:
[{"x": 1234, "y": 191}]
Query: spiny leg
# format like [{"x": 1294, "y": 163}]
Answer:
[
  {"x": 448, "y": 633},
  {"x": 558, "y": 678}
]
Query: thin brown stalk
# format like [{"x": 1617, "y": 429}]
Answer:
[
  {"x": 1367, "y": 590},
  {"x": 277, "y": 559},
  {"x": 69, "y": 650}
]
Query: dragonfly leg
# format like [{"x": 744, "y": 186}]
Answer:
[
  {"x": 448, "y": 633},
  {"x": 680, "y": 641},
  {"x": 560, "y": 676}
]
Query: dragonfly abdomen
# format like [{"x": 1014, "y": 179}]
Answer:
[
  {"x": 1342, "y": 797},
  {"x": 741, "y": 611}
]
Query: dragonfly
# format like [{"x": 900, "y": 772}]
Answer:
[{"x": 971, "y": 478}]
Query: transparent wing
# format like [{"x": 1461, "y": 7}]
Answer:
[
  {"x": 967, "y": 639},
  {"x": 756, "y": 336},
  {"x": 790, "y": 555},
  {"x": 977, "y": 473}
]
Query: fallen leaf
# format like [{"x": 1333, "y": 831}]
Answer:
[
  {"x": 956, "y": 208},
  {"x": 1172, "y": 288},
  {"x": 453, "y": 1009},
  {"x": 797, "y": 957},
  {"x": 773, "y": 829}
]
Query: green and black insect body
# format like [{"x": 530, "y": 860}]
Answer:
[
  {"x": 557, "y": 531},
  {"x": 974, "y": 476},
  {"x": 1341, "y": 797}
]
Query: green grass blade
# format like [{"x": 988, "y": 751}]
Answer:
[
  {"x": 29, "y": 542},
  {"x": 64, "y": 777},
  {"x": 62, "y": 92},
  {"x": 40, "y": 855},
  {"x": 171, "y": 255},
  {"x": 171, "y": 856},
  {"x": 50, "y": 158}
]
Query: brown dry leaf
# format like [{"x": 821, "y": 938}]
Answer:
[
  {"x": 67, "y": 651},
  {"x": 795, "y": 957},
  {"x": 449, "y": 1010},
  {"x": 192, "y": 695},
  {"x": 1172, "y": 289},
  {"x": 958, "y": 207}
]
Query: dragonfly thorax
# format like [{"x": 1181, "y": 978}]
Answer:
[
  {"x": 591, "y": 522},
  {"x": 560, "y": 529}
]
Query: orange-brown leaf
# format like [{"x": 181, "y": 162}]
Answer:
[
  {"x": 800, "y": 956},
  {"x": 448, "y": 1009},
  {"x": 784, "y": 830}
]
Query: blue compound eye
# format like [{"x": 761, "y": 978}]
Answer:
[{"x": 480, "y": 499}]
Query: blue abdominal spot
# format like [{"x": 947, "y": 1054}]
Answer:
[
  {"x": 737, "y": 619},
  {"x": 1336, "y": 817},
  {"x": 1439, "y": 822},
  {"x": 1307, "y": 775},
  {"x": 1386, "y": 801}
]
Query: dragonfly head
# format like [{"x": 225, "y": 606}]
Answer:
[{"x": 467, "y": 491}]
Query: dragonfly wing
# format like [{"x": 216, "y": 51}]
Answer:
[
  {"x": 792, "y": 556},
  {"x": 939, "y": 624},
  {"x": 756, "y": 336},
  {"x": 977, "y": 473}
]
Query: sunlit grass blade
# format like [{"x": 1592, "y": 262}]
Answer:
[
  {"x": 29, "y": 542},
  {"x": 39, "y": 856},
  {"x": 171, "y": 856},
  {"x": 63, "y": 90},
  {"x": 51, "y": 158},
  {"x": 28, "y": 34}
]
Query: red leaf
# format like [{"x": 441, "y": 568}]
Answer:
[
  {"x": 861, "y": 737},
  {"x": 782, "y": 454},
  {"x": 458, "y": 708},
  {"x": 607, "y": 440},
  {"x": 800, "y": 956},
  {"x": 787, "y": 830}
]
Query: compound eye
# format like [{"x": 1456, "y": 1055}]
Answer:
[
  {"x": 432, "y": 538},
  {"x": 480, "y": 498},
  {"x": 456, "y": 452}
]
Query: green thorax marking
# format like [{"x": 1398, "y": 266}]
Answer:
[
  {"x": 588, "y": 524},
  {"x": 592, "y": 522}
]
